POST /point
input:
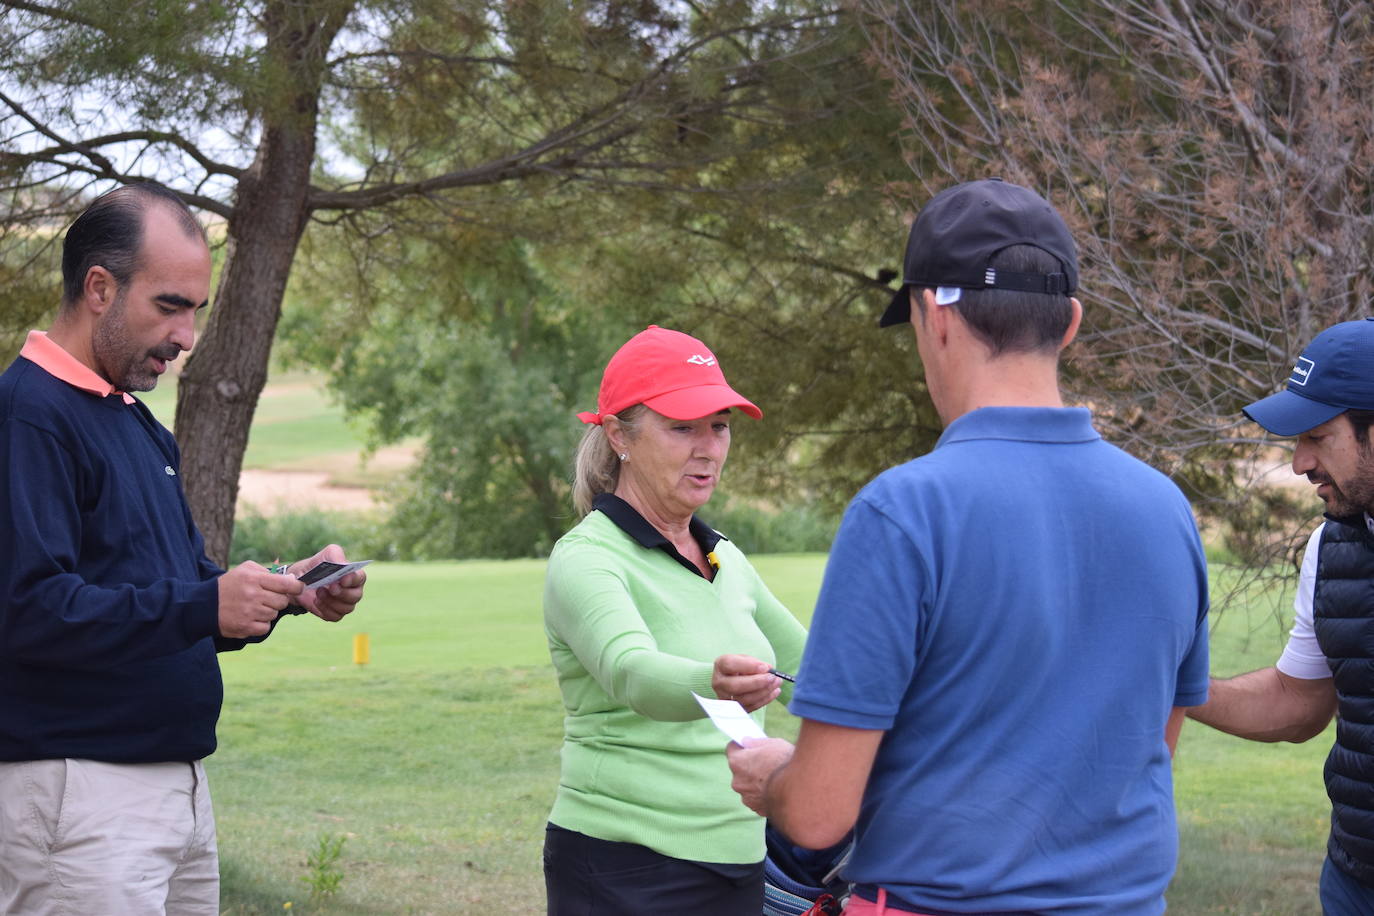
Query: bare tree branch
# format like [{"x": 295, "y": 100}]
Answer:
[
  {"x": 1209, "y": 157},
  {"x": 87, "y": 146},
  {"x": 51, "y": 12}
]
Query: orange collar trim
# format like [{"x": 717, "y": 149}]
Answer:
[{"x": 40, "y": 349}]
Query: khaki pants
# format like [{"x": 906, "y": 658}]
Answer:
[{"x": 80, "y": 837}]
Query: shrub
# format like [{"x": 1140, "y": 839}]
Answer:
[
  {"x": 757, "y": 529},
  {"x": 290, "y": 536}
]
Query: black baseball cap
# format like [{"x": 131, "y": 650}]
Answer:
[
  {"x": 957, "y": 234},
  {"x": 1334, "y": 374}
]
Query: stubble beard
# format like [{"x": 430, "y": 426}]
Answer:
[
  {"x": 1357, "y": 495},
  {"x": 125, "y": 366}
]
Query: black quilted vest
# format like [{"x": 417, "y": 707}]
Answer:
[{"x": 1343, "y": 614}]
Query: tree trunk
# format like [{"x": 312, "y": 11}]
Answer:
[{"x": 219, "y": 387}]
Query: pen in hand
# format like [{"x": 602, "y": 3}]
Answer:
[{"x": 786, "y": 677}]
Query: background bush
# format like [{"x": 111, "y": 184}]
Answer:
[
  {"x": 291, "y": 536},
  {"x": 791, "y": 529},
  {"x": 373, "y": 536}
]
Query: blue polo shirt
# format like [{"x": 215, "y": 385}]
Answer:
[{"x": 1019, "y": 610}]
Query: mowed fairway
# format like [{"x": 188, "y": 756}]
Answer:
[{"x": 439, "y": 759}]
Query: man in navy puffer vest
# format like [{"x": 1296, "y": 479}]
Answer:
[
  {"x": 1328, "y": 665},
  {"x": 111, "y": 614}
]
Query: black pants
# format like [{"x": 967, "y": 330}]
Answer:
[{"x": 585, "y": 876}]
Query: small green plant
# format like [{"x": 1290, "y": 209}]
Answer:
[{"x": 323, "y": 874}]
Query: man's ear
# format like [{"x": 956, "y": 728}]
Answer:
[
  {"x": 1077, "y": 319},
  {"x": 935, "y": 318},
  {"x": 99, "y": 290}
]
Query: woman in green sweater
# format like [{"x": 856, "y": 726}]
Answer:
[{"x": 645, "y": 604}]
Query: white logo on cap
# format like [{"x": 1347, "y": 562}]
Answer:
[
  {"x": 696, "y": 359},
  {"x": 1302, "y": 371}
]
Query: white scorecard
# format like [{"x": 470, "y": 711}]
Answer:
[{"x": 730, "y": 718}]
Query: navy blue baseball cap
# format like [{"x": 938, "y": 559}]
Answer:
[
  {"x": 956, "y": 235},
  {"x": 1334, "y": 374}
]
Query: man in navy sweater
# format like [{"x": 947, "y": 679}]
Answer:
[{"x": 110, "y": 612}]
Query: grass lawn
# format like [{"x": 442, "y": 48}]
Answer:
[
  {"x": 1253, "y": 818},
  {"x": 297, "y": 426},
  {"x": 439, "y": 759}
]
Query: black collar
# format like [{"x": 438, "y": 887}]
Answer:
[
  {"x": 1360, "y": 524},
  {"x": 646, "y": 535}
]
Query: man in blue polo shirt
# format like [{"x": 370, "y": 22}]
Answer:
[
  {"x": 1008, "y": 626},
  {"x": 110, "y": 612}
]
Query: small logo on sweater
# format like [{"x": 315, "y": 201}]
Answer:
[
  {"x": 169, "y": 472},
  {"x": 1302, "y": 371}
]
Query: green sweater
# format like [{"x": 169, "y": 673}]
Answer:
[{"x": 633, "y": 633}]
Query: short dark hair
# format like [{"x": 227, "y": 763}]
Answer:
[
  {"x": 1360, "y": 421},
  {"x": 109, "y": 234},
  {"x": 1009, "y": 320}
]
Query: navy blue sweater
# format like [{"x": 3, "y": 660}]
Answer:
[{"x": 108, "y": 604}]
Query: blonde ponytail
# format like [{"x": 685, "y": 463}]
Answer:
[{"x": 596, "y": 466}]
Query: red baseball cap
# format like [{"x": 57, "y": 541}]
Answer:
[{"x": 667, "y": 371}]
